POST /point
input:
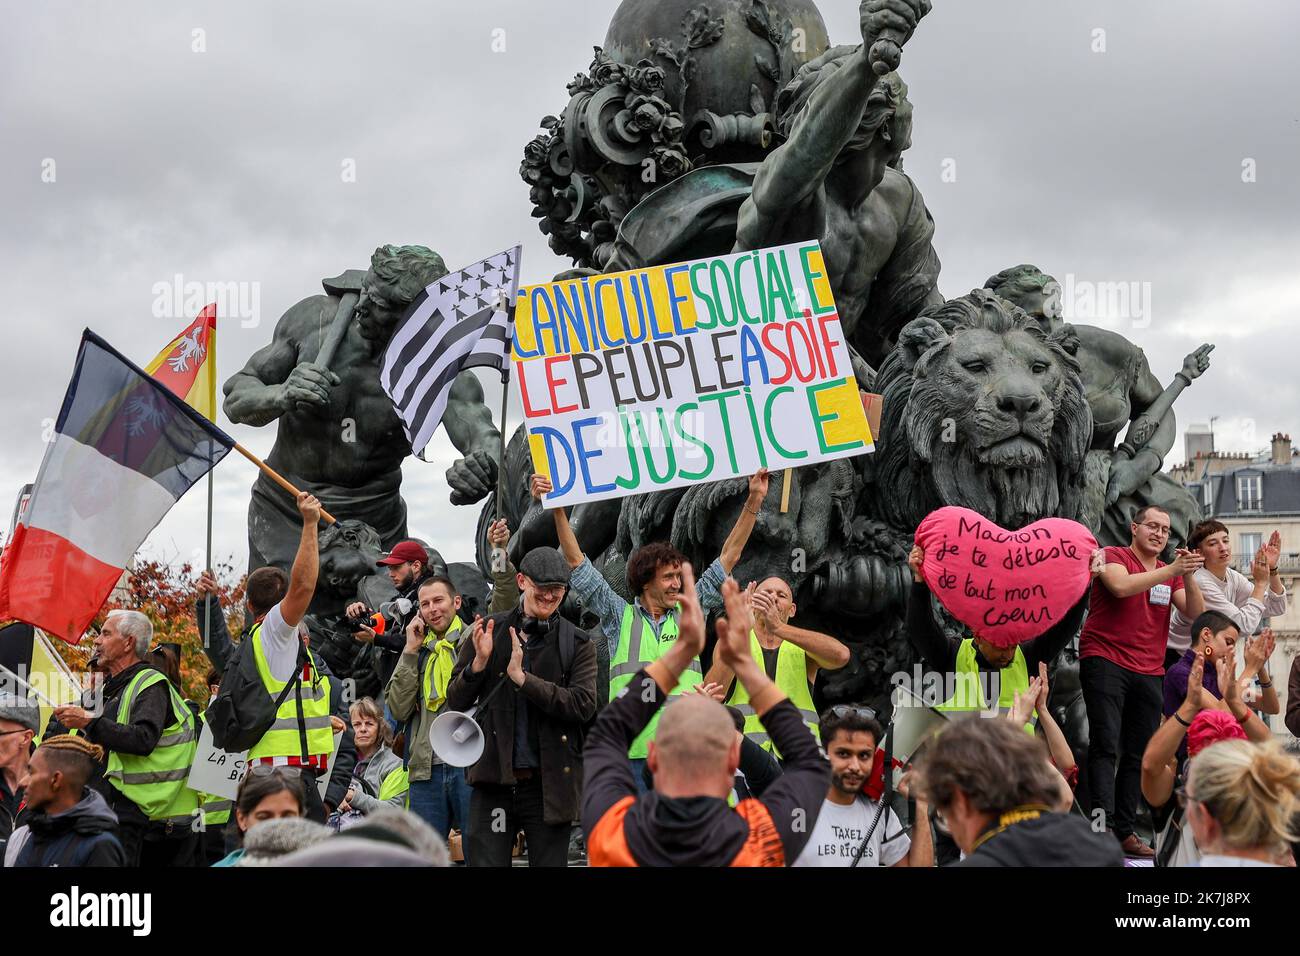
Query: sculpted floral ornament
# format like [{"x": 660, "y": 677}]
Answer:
[{"x": 617, "y": 139}]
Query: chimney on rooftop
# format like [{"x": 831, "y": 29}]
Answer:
[{"x": 1281, "y": 449}]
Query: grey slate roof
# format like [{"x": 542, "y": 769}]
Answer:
[{"x": 1281, "y": 491}]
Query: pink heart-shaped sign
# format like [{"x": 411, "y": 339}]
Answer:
[{"x": 1007, "y": 586}]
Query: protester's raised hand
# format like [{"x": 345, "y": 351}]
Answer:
[
  {"x": 481, "y": 635},
  {"x": 1186, "y": 562},
  {"x": 498, "y": 534},
  {"x": 915, "y": 561},
  {"x": 73, "y": 717},
  {"x": 714, "y": 690},
  {"x": 308, "y": 507},
  {"x": 1023, "y": 708},
  {"x": 1259, "y": 570},
  {"x": 1195, "y": 679},
  {"x": 1273, "y": 550},
  {"x": 1044, "y": 691},
  {"x": 690, "y": 621},
  {"x": 515, "y": 669},
  {"x": 414, "y": 634},
  {"x": 733, "y": 631},
  {"x": 762, "y": 606},
  {"x": 207, "y": 586},
  {"x": 1097, "y": 563},
  {"x": 539, "y": 485},
  {"x": 908, "y": 789},
  {"x": 1259, "y": 650},
  {"x": 758, "y": 485},
  {"x": 1226, "y": 668}
]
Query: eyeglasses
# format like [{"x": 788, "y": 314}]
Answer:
[
  {"x": 852, "y": 710},
  {"x": 266, "y": 770},
  {"x": 1154, "y": 528},
  {"x": 1184, "y": 798},
  {"x": 20, "y": 730},
  {"x": 549, "y": 592}
]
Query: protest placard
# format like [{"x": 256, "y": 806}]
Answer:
[
  {"x": 215, "y": 771},
  {"x": 219, "y": 773},
  {"x": 1007, "y": 586},
  {"x": 667, "y": 376}
]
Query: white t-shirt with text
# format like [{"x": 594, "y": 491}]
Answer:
[{"x": 839, "y": 831}]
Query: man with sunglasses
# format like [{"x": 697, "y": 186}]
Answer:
[
  {"x": 853, "y": 828},
  {"x": 1122, "y": 664},
  {"x": 532, "y": 677}
]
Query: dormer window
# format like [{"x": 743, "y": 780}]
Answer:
[{"x": 1250, "y": 492}]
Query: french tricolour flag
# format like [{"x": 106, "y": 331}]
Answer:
[{"x": 124, "y": 451}]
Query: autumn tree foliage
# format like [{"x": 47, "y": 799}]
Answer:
[{"x": 167, "y": 594}]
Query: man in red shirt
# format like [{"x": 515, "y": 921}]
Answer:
[{"x": 1121, "y": 666}]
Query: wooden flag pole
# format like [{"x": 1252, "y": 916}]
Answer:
[
  {"x": 785, "y": 490},
  {"x": 278, "y": 478},
  {"x": 207, "y": 605}
]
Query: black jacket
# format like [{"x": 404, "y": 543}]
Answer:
[
  {"x": 151, "y": 713},
  {"x": 389, "y": 645},
  {"x": 11, "y": 817},
  {"x": 82, "y": 836},
  {"x": 559, "y": 706},
  {"x": 699, "y": 831},
  {"x": 1054, "y": 839}
]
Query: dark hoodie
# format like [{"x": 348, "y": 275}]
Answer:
[
  {"x": 1053, "y": 839},
  {"x": 654, "y": 830},
  {"x": 85, "y": 835}
]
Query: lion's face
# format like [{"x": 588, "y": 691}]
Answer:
[
  {"x": 993, "y": 410},
  {"x": 1002, "y": 390}
]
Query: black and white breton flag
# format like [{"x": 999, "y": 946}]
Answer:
[{"x": 459, "y": 321}]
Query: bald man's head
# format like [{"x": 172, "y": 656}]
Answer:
[{"x": 696, "y": 749}]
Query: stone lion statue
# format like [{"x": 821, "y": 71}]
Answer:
[{"x": 982, "y": 409}]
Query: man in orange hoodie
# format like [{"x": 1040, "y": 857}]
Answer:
[{"x": 686, "y": 820}]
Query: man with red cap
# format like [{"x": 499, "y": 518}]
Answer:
[
  {"x": 407, "y": 565},
  {"x": 1200, "y": 720}
]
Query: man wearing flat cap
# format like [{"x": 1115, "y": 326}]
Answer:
[
  {"x": 20, "y": 721},
  {"x": 532, "y": 676}
]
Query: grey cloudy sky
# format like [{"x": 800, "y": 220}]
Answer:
[{"x": 226, "y": 166}]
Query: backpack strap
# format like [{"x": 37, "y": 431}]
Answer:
[{"x": 302, "y": 717}]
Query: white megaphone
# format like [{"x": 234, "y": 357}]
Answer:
[{"x": 456, "y": 738}]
